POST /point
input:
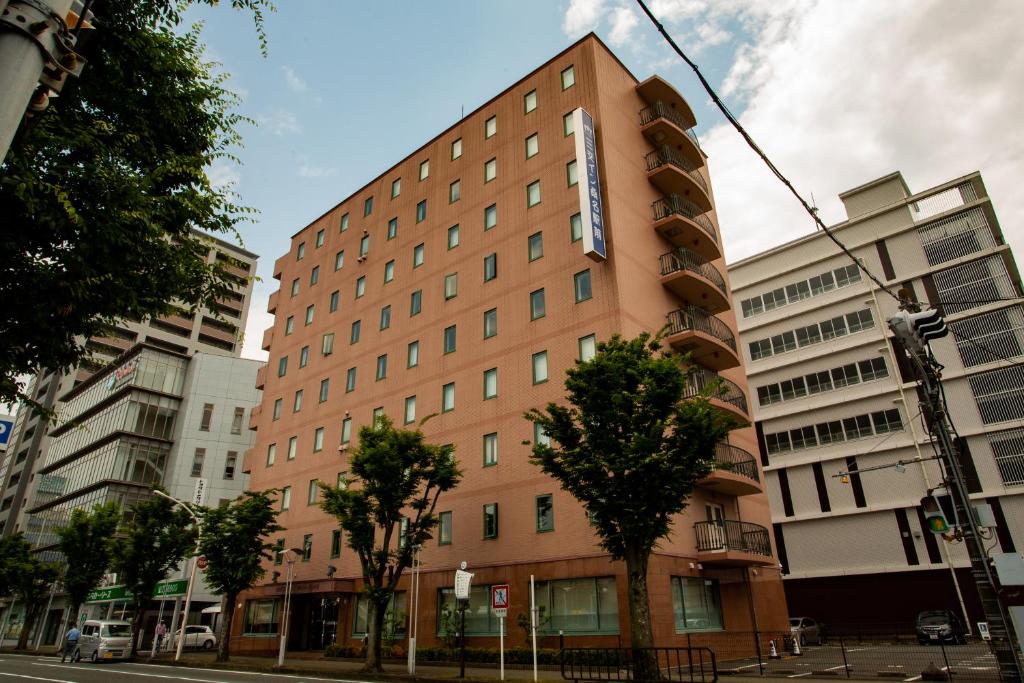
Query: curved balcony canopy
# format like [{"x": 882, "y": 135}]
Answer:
[
  {"x": 723, "y": 392},
  {"x": 657, "y": 89},
  {"x": 663, "y": 125},
  {"x": 708, "y": 340},
  {"x": 673, "y": 173},
  {"x": 735, "y": 472},
  {"x": 685, "y": 224},
  {"x": 730, "y": 543},
  {"x": 694, "y": 280}
]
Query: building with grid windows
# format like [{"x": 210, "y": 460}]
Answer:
[
  {"x": 832, "y": 397},
  {"x": 464, "y": 281}
]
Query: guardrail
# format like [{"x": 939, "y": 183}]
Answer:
[
  {"x": 735, "y": 459},
  {"x": 696, "y": 319},
  {"x": 684, "y": 664},
  {"x": 668, "y": 156},
  {"x": 728, "y": 391},
  {"x": 729, "y": 534},
  {"x": 682, "y": 258}
]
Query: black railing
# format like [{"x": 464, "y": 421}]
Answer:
[
  {"x": 696, "y": 319},
  {"x": 668, "y": 156},
  {"x": 702, "y": 379},
  {"x": 682, "y": 258},
  {"x": 660, "y": 110},
  {"x": 673, "y": 204},
  {"x": 731, "y": 458},
  {"x": 628, "y": 665},
  {"x": 728, "y": 534}
]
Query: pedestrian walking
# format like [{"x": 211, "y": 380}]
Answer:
[
  {"x": 70, "y": 643},
  {"x": 161, "y": 633}
]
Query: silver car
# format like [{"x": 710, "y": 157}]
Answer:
[
  {"x": 807, "y": 630},
  {"x": 103, "y": 640},
  {"x": 197, "y": 636}
]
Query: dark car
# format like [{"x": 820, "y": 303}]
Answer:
[{"x": 939, "y": 626}]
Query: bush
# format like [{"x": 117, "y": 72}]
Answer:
[{"x": 481, "y": 655}]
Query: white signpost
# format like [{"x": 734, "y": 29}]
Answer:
[
  {"x": 462, "y": 582},
  {"x": 199, "y": 493},
  {"x": 499, "y": 605}
]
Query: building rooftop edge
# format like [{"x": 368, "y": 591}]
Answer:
[
  {"x": 895, "y": 175},
  {"x": 229, "y": 245}
]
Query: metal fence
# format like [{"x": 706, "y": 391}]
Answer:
[{"x": 684, "y": 664}]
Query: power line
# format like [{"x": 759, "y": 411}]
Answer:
[{"x": 764, "y": 157}]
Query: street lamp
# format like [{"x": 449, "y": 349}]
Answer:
[
  {"x": 192, "y": 574},
  {"x": 416, "y": 562},
  {"x": 295, "y": 552}
]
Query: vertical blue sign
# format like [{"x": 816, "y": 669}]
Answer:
[
  {"x": 589, "y": 185},
  {"x": 6, "y": 429}
]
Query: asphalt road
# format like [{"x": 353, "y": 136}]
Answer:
[{"x": 15, "y": 668}]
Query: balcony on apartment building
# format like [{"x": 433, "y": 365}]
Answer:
[
  {"x": 722, "y": 392},
  {"x": 664, "y": 125},
  {"x": 673, "y": 173},
  {"x": 730, "y": 543},
  {"x": 685, "y": 224},
  {"x": 693, "y": 279},
  {"x": 708, "y": 340},
  {"x": 735, "y": 472}
]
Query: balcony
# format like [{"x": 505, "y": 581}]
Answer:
[
  {"x": 657, "y": 89},
  {"x": 694, "y": 280},
  {"x": 724, "y": 393},
  {"x": 268, "y": 338},
  {"x": 729, "y": 543},
  {"x": 664, "y": 125},
  {"x": 685, "y": 224},
  {"x": 707, "y": 339},
  {"x": 254, "y": 417},
  {"x": 672, "y": 173},
  {"x": 735, "y": 472},
  {"x": 261, "y": 377},
  {"x": 272, "y": 302}
]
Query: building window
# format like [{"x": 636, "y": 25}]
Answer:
[
  {"x": 286, "y": 498},
  {"x": 378, "y": 413},
  {"x": 334, "y": 300},
  {"x": 367, "y": 206},
  {"x": 585, "y": 605},
  {"x": 382, "y": 366},
  {"x": 540, "y": 367},
  {"x": 396, "y": 187},
  {"x": 297, "y": 403},
  {"x": 581, "y": 282},
  {"x": 360, "y": 286},
  {"x": 353, "y": 337},
  {"x": 339, "y": 260},
  {"x": 568, "y": 77},
  {"x": 490, "y": 323},
  {"x": 364, "y": 245},
  {"x": 490, "y": 216},
  {"x": 346, "y": 430},
  {"x": 295, "y": 287},
  {"x": 197, "y": 462},
  {"x": 490, "y": 449},
  {"x": 456, "y": 148},
  {"x": 448, "y": 397},
  {"x": 453, "y": 236},
  {"x": 319, "y": 239},
  {"x": 1008, "y": 450},
  {"x": 289, "y": 325},
  {"x": 545, "y": 513},
  {"x": 261, "y": 617},
  {"x": 303, "y": 356},
  {"x": 325, "y": 385},
  {"x": 588, "y": 347},
  {"x": 491, "y": 520},
  {"x": 410, "y": 409},
  {"x": 567, "y": 125},
  {"x": 293, "y": 446},
  {"x": 300, "y": 251},
  {"x": 999, "y": 394},
  {"x": 282, "y": 370},
  {"x": 314, "y": 276},
  {"x": 350, "y": 380},
  {"x": 530, "y": 101},
  {"x": 394, "y": 616},
  {"x": 385, "y": 317},
  {"x": 271, "y": 454},
  {"x": 415, "y": 302},
  {"x": 311, "y": 495},
  {"x": 454, "y": 191},
  {"x": 424, "y": 169},
  {"x": 343, "y": 226},
  {"x": 490, "y": 267},
  {"x": 451, "y": 286},
  {"x": 537, "y": 304},
  {"x": 277, "y": 410},
  {"x": 327, "y": 344},
  {"x": 421, "y": 211},
  {"x": 532, "y": 146},
  {"x": 490, "y": 170},
  {"x": 696, "y": 604},
  {"x": 207, "y": 418},
  {"x": 236, "y": 420},
  {"x": 392, "y": 232},
  {"x": 444, "y": 528},
  {"x": 490, "y": 383},
  {"x": 449, "y": 339},
  {"x": 417, "y": 256},
  {"x": 412, "y": 354},
  {"x": 570, "y": 173},
  {"x": 990, "y": 336},
  {"x": 389, "y": 271},
  {"x": 535, "y": 246},
  {"x": 540, "y": 436},
  {"x": 533, "y": 194},
  {"x": 318, "y": 439},
  {"x": 335, "y": 544},
  {"x": 309, "y": 314},
  {"x": 490, "y": 127}
]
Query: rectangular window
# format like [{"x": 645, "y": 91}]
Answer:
[
  {"x": 343, "y": 225},
  {"x": 350, "y": 380},
  {"x": 364, "y": 245},
  {"x": 535, "y": 246},
  {"x": 394, "y": 615},
  {"x": 530, "y": 101},
  {"x": 353, "y": 337},
  {"x": 382, "y": 366},
  {"x": 448, "y": 397},
  {"x": 346, "y": 430},
  {"x": 417, "y": 256},
  {"x": 545, "y": 513},
  {"x": 300, "y": 251},
  {"x": 444, "y": 528},
  {"x": 696, "y": 604},
  {"x": 325, "y": 386},
  {"x": 286, "y": 498},
  {"x": 490, "y": 383},
  {"x": 319, "y": 239},
  {"x": 449, "y": 338},
  {"x": 829, "y": 432},
  {"x": 540, "y": 436},
  {"x": 289, "y": 325},
  {"x": 490, "y": 170},
  {"x": 207, "y": 418},
  {"x": 327, "y": 344},
  {"x": 537, "y": 304},
  {"x": 378, "y": 413},
  {"x": 582, "y": 285},
  {"x": 293, "y": 446},
  {"x": 490, "y": 216},
  {"x": 490, "y": 449},
  {"x": 456, "y": 149},
  {"x": 335, "y": 544},
  {"x": 540, "y": 367},
  {"x": 303, "y": 356},
  {"x": 389, "y": 271},
  {"x": 396, "y": 187},
  {"x": 453, "y": 236},
  {"x": 261, "y": 617},
  {"x": 490, "y": 323},
  {"x": 229, "y": 465},
  {"x": 410, "y": 409},
  {"x": 367, "y": 207},
  {"x": 309, "y": 314},
  {"x": 392, "y": 232},
  {"x": 533, "y": 194},
  {"x": 872, "y": 369},
  {"x": 360, "y": 286},
  {"x": 491, "y": 520},
  {"x": 334, "y": 300},
  {"x": 490, "y": 267},
  {"x": 295, "y": 287},
  {"x": 339, "y": 260},
  {"x": 421, "y": 211},
  {"x": 568, "y": 77},
  {"x": 886, "y": 421},
  {"x": 584, "y": 605},
  {"x": 297, "y": 403},
  {"x": 311, "y": 495},
  {"x": 575, "y": 227},
  {"x": 451, "y": 286},
  {"x": 532, "y": 146},
  {"x": 197, "y": 462},
  {"x": 277, "y": 409},
  {"x": 490, "y": 127},
  {"x": 454, "y": 191},
  {"x": 415, "y": 302},
  {"x": 318, "y": 439},
  {"x": 412, "y": 354},
  {"x": 859, "y": 320},
  {"x": 314, "y": 276},
  {"x": 385, "y": 317},
  {"x": 588, "y": 347},
  {"x": 567, "y": 124},
  {"x": 424, "y": 169},
  {"x": 271, "y": 454},
  {"x": 571, "y": 176}
]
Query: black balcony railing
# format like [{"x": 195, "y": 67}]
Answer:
[
  {"x": 734, "y": 459},
  {"x": 696, "y": 319},
  {"x": 668, "y": 156},
  {"x": 677, "y": 206},
  {"x": 702, "y": 379},
  {"x": 660, "y": 110},
  {"x": 728, "y": 534},
  {"x": 682, "y": 258}
]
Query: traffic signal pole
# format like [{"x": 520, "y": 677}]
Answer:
[{"x": 913, "y": 340}]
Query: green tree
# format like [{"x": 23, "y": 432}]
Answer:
[
  {"x": 87, "y": 542},
  {"x": 101, "y": 195},
  {"x": 233, "y": 541},
  {"x": 155, "y": 538},
  {"x": 27, "y": 578},
  {"x": 631, "y": 449},
  {"x": 395, "y": 473}
]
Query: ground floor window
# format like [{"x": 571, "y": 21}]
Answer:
[
  {"x": 587, "y": 605},
  {"x": 696, "y": 604},
  {"x": 394, "y": 617},
  {"x": 261, "y": 617},
  {"x": 480, "y": 620}
]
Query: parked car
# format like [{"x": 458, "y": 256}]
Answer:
[
  {"x": 197, "y": 636},
  {"x": 939, "y": 626},
  {"x": 103, "y": 640},
  {"x": 807, "y": 630}
]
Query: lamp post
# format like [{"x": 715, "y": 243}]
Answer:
[
  {"x": 287, "y": 602},
  {"x": 192, "y": 573},
  {"x": 413, "y": 618}
]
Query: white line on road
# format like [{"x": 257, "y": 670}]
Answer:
[
  {"x": 35, "y": 678},
  {"x": 914, "y": 678},
  {"x": 133, "y": 673},
  {"x": 258, "y": 673},
  {"x": 806, "y": 673},
  {"x": 832, "y": 668},
  {"x": 748, "y": 666},
  {"x": 860, "y": 649}
]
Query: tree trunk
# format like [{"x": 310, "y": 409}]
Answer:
[
  {"x": 374, "y": 628},
  {"x": 227, "y": 613},
  {"x": 31, "y": 614},
  {"x": 641, "y": 635},
  {"x": 140, "y": 609}
]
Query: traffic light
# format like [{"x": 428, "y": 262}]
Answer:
[
  {"x": 917, "y": 329},
  {"x": 933, "y": 515}
]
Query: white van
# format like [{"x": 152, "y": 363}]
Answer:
[{"x": 104, "y": 640}]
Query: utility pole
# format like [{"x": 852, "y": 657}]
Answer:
[{"x": 913, "y": 329}]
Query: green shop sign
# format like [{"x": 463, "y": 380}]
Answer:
[
  {"x": 165, "y": 589},
  {"x": 171, "y": 589}
]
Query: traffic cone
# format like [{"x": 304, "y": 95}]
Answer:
[
  {"x": 796, "y": 646},
  {"x": 774, "y": 652}
]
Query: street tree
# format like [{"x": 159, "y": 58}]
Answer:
[
  {"x": 26, "y": 578},
  {"x": 631, "y": 449},
  {"x": 386, "y": 508},
  {"x": 234, "y": 543},
  {"x": 102, "y": 194},
  {"x": 154, "y": 540},
  {"x": 87, "y": 543}
]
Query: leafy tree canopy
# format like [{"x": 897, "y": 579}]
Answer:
[{"x": 87, "y": 542}]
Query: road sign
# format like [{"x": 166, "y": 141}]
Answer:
[
  {"x": 108, "y": 594},
  {"x": 170, "y": 589},
  {"x": 6, "y": 429},
  {"x": 983, "y": 630},
  {"x": 499, "y": 600},
  {"x": 201, "y": 562}
]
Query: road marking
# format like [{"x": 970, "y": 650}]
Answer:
[
  {"x": 915, "y": 678},
  {"x": 806, "y": 673},
  {"x": 257, "y": 673},
  {"x": 135, "y": 673},
  {"x": 748, "y": 666},
  {"x": 860, "y": 649},
  {"x": 35, "y": 678},
  {"x": 831, "y": 668}
]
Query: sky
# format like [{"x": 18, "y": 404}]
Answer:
[{"x": 837, "y": 94}]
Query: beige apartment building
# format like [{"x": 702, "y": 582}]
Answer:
[
  {"x": 830, "y": 396},
  {"x": 464, "y": 281}
]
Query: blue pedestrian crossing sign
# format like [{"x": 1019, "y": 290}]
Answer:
[{"x": 6, "y": 429}]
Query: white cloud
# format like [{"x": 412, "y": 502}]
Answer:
[
  {"x": 582, "y": 16},
  {"x": 309, "y": 170},
  {"x": 258, "y": 322},
  {"x": 294, "y": 81},
  {"x": 280, "y": 123},
  {"x": 624, "y": 20},
  {"x": 224, "y": 176}
]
